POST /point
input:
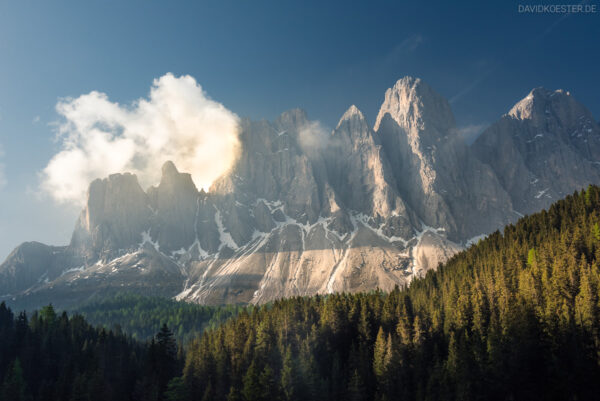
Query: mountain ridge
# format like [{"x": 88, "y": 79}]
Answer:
[
  {"x": 514, "y": 317},
  {"x": 302, "y": 213}
]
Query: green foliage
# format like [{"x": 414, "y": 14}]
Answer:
[
  {"x": 253, "y": 390},
  {"x": 515, "y": 317},
  {"x": 57, "y": 357},
  {"x": 14, "y": 387},
  {"x": 289, "y": 378},
  {"x": 176, "y": 390},
  {"x": 48, "y": 315},
  {"x": 596, "y": 231},
  {"x": 142, "y": 317},
  {"x": 531, "y": 257}
]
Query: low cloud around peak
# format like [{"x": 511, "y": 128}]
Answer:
[{"x": 178, "y": 122}]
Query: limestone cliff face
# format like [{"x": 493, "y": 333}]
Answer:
[
  {"x": 359, "y": 171},
  {"x": 299, "y": 217},
  {"x": 173, "y": 202},
  {"x": 546, "y": 147},
  {"x": 115, "y": 215},
  {"x": 31, "y": 264},
  {"x": 437, "y": 174},
  {"x": 413, "y": 124},
  {"x": 305, "y": 211}
]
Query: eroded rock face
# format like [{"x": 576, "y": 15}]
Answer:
[
  {"x": 359, "y": 171},
  {"x": 31, "y": 264},
  {"x": 546, "y": 147},
  {"x": 173, "y": 202},
  {"x": 436, "y": 172},
  {"x": 305, "y": 211},
  {"x": 116, "y": 214}
]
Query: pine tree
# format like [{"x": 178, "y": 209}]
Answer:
[
  {"x": 166, "y": 357},
  {"x": 252, "y": 390},
  {"x": 234, "y": 394},
  {"x": 356, "y": 388},
  {"x": 176, "y": 390},
  {"x": 48, "y": 315},
  {"x": 268, "y": 384},
  {"x": 165, "y": 340},
  {"x": 596, "y": 231},
  {"x": 382, "y": 358},
  {"x": 14, "y": 387},
  {"x": 586, "y": 303},
  {"x": 289, "y": 380},
  {"x": 531, "y": 257}
]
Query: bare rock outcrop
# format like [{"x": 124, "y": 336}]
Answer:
[{"x": 304, "y": 211}]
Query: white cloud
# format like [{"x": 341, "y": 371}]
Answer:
[
  {"x": 313, "y": 137},
  {"x": 177, "y": 122},
  {"x": 2, "y": 174}
]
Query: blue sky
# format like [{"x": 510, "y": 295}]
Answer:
[{"x": 260, "y": 58}]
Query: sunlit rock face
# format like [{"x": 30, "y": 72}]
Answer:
[
  {"x": 306, "y": 211},
  {"x": 436, "y": 172}
]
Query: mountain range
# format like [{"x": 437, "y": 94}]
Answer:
[{"x": 302, "y": 213}]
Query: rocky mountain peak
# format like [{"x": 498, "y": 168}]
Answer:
[
  {"x": 411, "y": 102},
  {"x": 169, "y": 169},
  {"x": 546, "y": 146},
  {"x": 115, "y": 214},
  {"x": 355, "y": 118},
  {"x": 173, "y": 201},
  {"x": 537, "y": 103},
  {"x": 352, "y": 112},
  {"x": 175, "y": 181},
  {"x": 550, "y": 110},
  {"x": 113, "y": 196},
  {"x": 304, "y": 212},
  {"x": 291, "y": 119}
]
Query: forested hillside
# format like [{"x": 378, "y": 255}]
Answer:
[
  {"x": 515, "y": 317},
  {"x": 54, "y": 357},
  {"x": 512, "y": 318},
  {"x": 142, "y": 317}
]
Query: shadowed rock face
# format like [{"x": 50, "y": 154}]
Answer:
[
  {"x": 305, "y": 212},
  {"x": 547, "y": 146},
  {"x": 31, "y": 264},
  {"x": 173, "y": 202},
  {"x": 358, "y": 170},
  {"x": 436, "y": 172},
  {"x": 115, "y": 215}
]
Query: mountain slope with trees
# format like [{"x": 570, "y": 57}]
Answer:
[
  {"x": 142, "y": 317},
  {"x": 515, "y": 317},
  {"x": 56, "y": 357}
]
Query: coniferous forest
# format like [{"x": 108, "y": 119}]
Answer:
[
  {"x": 48, "y": 356},
  {"x": 515, "y": 317},
  {"x": 142, "y": 316}
]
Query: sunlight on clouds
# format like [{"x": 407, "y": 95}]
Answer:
[
  {"x": 178, "y": 122},
  {"x": 470, "y": 132}
]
